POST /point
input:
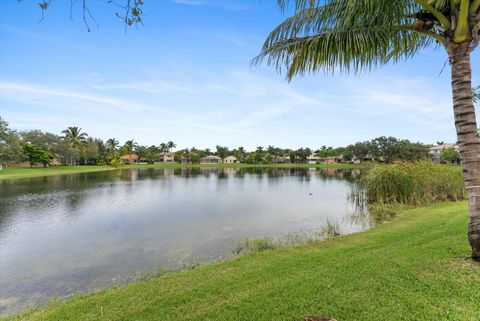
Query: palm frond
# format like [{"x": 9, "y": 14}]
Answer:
[{"x": 343, "y": 34}]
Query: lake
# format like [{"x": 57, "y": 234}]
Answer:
[{"x": 63, "y": 234}]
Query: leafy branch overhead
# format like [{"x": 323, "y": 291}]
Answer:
[
  {"x": 353, "y": 35},
  {"x": 129, "y": 11}
]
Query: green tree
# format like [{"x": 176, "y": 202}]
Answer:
[
  {"x": 171, "y": 145},
  {"x": 151, "y": 154},
  {"x": 111, "y": 152},
  {"x": 112, "y": 144},
  {"x": 409, "y": 151},
  {"x": 130, "y": 146},
  {"x": 10, "y": 145},
  {"x": 354, "y": 35},
  {"x": 75, "y": 138},
  {"x": 163, "y": 147},
  {"x": 449, "y": 155},
  {"x": 359, "y": 151},
  {"x": 37, "y": 155},
  {"x": 222, "y": 151},
  {"x": 240, "y": 153},
  {"x": 92, "y": 151},
  {"x": 259, "y": 155},
  {"x": 386, "y": 148},
  {"x": 302, "y": 154}
]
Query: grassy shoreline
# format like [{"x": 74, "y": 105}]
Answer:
[
  {"x": 414, "y": 268},
  {"x": 14, "y": 173}
]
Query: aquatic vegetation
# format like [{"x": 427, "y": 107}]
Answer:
[{"x": 414, "y": 183}]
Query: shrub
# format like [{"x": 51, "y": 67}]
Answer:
[
  {"x": 116, "y": 162},
  {"x": 414, "y": 183}
]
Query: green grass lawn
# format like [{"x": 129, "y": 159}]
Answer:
[
  {"x": 10, "y": 173},
  {"x": 414, "y": 268}
]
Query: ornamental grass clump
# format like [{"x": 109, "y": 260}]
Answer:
[{"x": 414, "y": 183}]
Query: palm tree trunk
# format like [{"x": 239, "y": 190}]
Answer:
[{"x": 468, "y": 141}]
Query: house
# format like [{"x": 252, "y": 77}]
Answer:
[
  {"x": 332, "y": 160},
  {"x": 211, "y": 159},
  {"x": 230, "y": 160},
  {"x": 436, "y": 151},
  {"x": 185, "y": 160},
  {"x": 280, "y": 159},
  {"x": 166, "y": 157},
  {"x": 130, "y": 158},
  {"x": 313, "y": 159}
]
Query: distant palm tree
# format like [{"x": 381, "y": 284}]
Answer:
[
  {"x": 112, "y": 144},
  {"x": 77, "y": 140},
  {"x": 130, "y": 145},
  {"x": 163, "y": 147},
  {"x": 171, "y": 145}
]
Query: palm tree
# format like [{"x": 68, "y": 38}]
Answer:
[
  {"x": 112, "y": 144},
  {"x": 163, "y": 148},
  {"x": 354, "y": 35},
  {"x": 476, "y": 94},
  {"x": 171, "y": 145},
  {"x": 77, "y": 140},
  {"x": 130, "y": 146}
]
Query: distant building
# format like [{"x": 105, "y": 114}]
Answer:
[
  {"x": 211, "y": 159},
  {"x": 230, "y": 160},
  {"x": 130, "y": 158},
  {"x": 436, "y": 151},
  {"x": 332, "y": 159},
  {"x": 280, "y": 159},
  {"x": 166, "y": 157},
  {"x": 313, "y": 159},
  {"x": 185, "y": 160}
]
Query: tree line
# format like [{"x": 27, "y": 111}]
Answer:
[{"x": 75, "y": 147}]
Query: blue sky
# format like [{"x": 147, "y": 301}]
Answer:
[{"x": 186, "y": 76}]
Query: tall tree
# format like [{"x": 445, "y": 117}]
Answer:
[
  {"x": 76, "y": 138},
  {"x": 354, "y": 35},
  {"x": 171, "y": 145},
  {"x": 112, "y": 144},
  {"x": 35, "y": 155},
  {"x": 130, "y": 146},
  {"x": 163, "y": 147},
  {"x": 10, "y": 145},
  {"x": 222, "y": 151}
]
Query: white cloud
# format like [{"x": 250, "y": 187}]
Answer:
[
  {"x": 32, "y": 94},
  {"x": 150, "y": 87}
]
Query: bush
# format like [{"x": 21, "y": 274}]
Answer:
[
  {"x": 414, "y": 183},
  {"x": 116, "y": 162}
]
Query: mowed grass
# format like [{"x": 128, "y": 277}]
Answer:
[
  {"x": 13, "y": 173},
  {"x": 414, "y": 268}
]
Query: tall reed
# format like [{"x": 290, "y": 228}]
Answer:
[{"x": 414, "y": 183}]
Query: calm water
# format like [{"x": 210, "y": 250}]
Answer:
[{"x": 64, "y": 234}]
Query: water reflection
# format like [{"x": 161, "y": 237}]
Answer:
[{"x": 63, "y": 234}]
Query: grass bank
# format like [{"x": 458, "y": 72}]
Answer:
[
  {"x": 13, "y": 173},
  {"x": 415, "y": 268}
]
